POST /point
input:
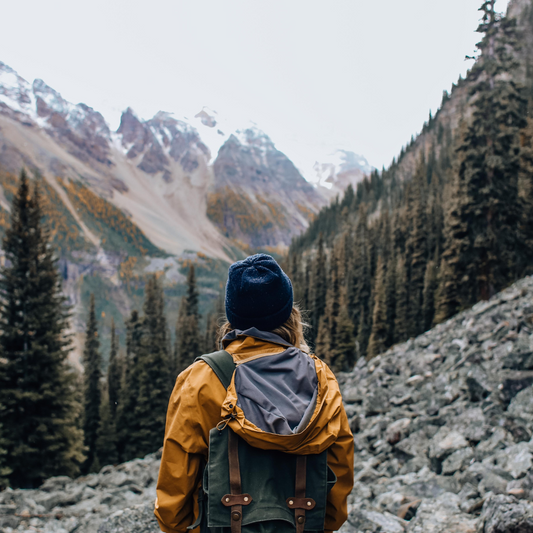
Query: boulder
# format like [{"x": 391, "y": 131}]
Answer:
[
  {"x": 442, "y": 515},
  {"x": 138, "y": 519},
  {"x": 506, "y": 514}
]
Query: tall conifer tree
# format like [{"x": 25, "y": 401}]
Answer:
[
  {"x": 39, "y": 405},
  {"x": 401, "y": 330},
  {"x": 154, "y": 369},
  {"x": 106, "y": 441},
  {"x": 378, "y": 337},
  {"x": 488, "y": 208},
  {"x": 319, "y": 287},
  {"x": 188, "y": 327},
  {"x": 114, "y": 374},
  {"x": 127, "y": 422},
  {"x": 417, "y": 244},
  {"x": 92, "y": 363}
]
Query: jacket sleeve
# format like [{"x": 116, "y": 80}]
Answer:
[
  {"x": 340, "y": 460},
  {"x": 193, "y": 410}
]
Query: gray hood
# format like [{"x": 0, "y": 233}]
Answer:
[{"x": 276, "y": 392}]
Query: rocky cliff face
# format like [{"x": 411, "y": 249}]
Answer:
[
  {"x": 258, "y": 196},
  {"x": 443, "y": 428}
]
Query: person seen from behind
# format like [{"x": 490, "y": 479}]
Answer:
[{"x": 257, "y": 438}]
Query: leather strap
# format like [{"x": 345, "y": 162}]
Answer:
[
  {"x": 235, "y": 482},
  {"x": 301, "y": 503},
  {"x": 301, "y": 481}
]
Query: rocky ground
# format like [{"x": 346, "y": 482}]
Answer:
[
  {"x": 443, "y": 425},
  {"x": 443, "y": 428},
  {"x": 63, "y": 505}
]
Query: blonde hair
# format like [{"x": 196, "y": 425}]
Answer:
[{"x": 291, "y": 331}]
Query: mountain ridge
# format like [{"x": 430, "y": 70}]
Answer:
[{"x": 165, "y": 154}]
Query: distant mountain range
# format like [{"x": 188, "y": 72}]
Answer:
[
  {"x": 195, "y": 184},
  {"x": 155, "y": 194}
]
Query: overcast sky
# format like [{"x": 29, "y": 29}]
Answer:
[{"x": 314, "y": 74}]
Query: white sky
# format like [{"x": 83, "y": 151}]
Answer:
[{"x": 315, "y": 75}]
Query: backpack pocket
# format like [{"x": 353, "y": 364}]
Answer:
[{"x": 268, "y": 480}]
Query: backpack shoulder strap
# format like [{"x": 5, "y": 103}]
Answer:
[{"x": 221, "y": 364}]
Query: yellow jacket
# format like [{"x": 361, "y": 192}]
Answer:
[{"x": 199, "y": 402}]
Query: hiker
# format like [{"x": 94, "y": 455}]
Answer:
[{"x": 256, "y": 436}]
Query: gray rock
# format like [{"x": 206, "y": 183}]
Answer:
[
  {"x": 138, "y": 519},
  {"x": 478, "y": 384},
  {"x": 442, "y": 515},
  {"x": 373, "y": 522},
  {"x": 445, "y": 442},
  {"x": 519, "y": 361},
  {"x": 505, "y": 514},
  {"x": 55, "y": 483},
  {"x": 457, "y": 461},
  {"x": 521, "y": 405}
]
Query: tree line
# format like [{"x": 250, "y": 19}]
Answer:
[
  {"x": 395, "y": 257},
  {"x": 52, "y": 420}
]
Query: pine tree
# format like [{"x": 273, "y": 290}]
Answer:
[
  {"x": 106, "y": 442},
  {"x": 430, "y": 287},
  {"x": 359, "y": 291},
  {"x": 323, "y": 339},
  {"x": 114, "y": 374},
  {"x": 92, "y": 362},
  {"x": 4, "y": 468},
  {"x": 526, "y": 190},
  {"x": 390, "y": 300},
  {"x": 344, "y": 353},
  {"x": 378, "y": 337},
  {"x": 417, "y": 244},
  {"x": 127, "y": 423},
  {"x": 318, "y": 287},
  {"x": 488, "y": 210},
  {"x": 213, "y": 321},
  {"x": 153, "y": 378},
  {"x": 401, "y": 331},
  {"x": 39, "y": 406},
  {"x": 333, "y": 300},
  {"x": 364, "y": 285},
  {"x": 188, "y": 326}
]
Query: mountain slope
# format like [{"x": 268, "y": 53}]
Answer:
[{"x": 177, "y": 189}]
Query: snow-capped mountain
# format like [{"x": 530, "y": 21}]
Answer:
[
  {"x": 340, "y": 168},
  {"x": 200, "y": 183}
]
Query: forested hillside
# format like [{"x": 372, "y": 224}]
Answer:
[{"x": 448, "y": 223}]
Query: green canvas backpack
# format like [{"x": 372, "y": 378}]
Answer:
[{"x": 249, "y": 490}]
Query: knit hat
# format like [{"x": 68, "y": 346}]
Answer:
[{"x": 258, "y": 294}]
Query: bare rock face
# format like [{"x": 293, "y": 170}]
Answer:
[
  {"x": 258, "y": 195},
  {"x": 79, "y": 127}
]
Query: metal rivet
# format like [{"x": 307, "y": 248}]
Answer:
[
  {"x": 301, "y": 520},
  {"x": 227, "y": 499},
  {"x": 246, "y": 498},
  {"x": 236, "y": 516},
  {"x": 290, "y": 502},
  {"x": 309, "y": 504}
]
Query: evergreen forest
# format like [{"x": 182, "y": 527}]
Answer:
[
  {"x": 449, "y": 223},
  {"x": 54, "y": 421}
]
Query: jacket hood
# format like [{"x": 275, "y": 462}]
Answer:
[{"x": 280, "y": 398}]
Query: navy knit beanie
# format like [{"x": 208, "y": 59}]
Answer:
[{"x": 258, "y": 294}]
